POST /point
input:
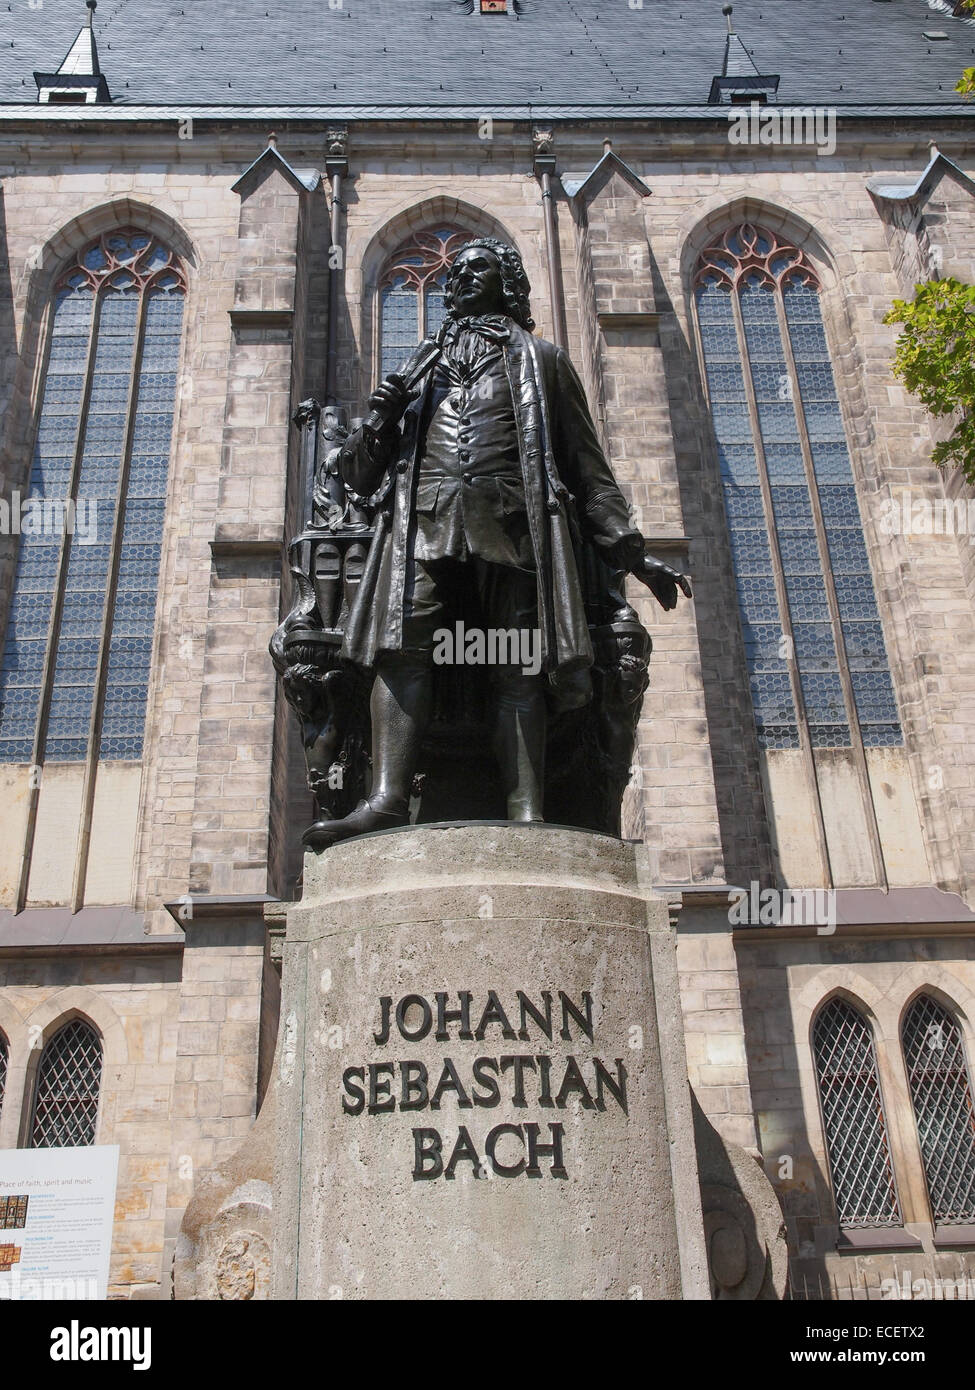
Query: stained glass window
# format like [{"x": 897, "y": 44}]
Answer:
[
  {"x": 105, "y": 428},
  {"x": 790, "y": 499},
  {"x": 853, "y": 1118},
  {"x": 4, "y": 1053},
  {"x": 942, "y": 1097},
  {"x": 411, "y": 293},
  {"x": 68, "y": 1082}
]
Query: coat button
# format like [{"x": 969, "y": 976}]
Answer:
[
  {"x": 464, "y": 456},
  {"x": 552, "y": 504},
  {"x": 401, "y": 468},
  {"x": 468, "y": 477}
]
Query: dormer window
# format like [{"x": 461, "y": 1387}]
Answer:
[
  {"x": 68, "y": 98},
  {"x": 740, "y": 82},
  {"x": 494, "y": 6},
  {"x": 79, "y": 81}
]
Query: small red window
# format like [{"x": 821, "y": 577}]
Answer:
[{"x": 494, "y": 6}]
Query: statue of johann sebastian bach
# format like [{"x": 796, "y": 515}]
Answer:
[{"x": 488, "y": 485}]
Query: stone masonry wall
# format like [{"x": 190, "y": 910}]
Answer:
[
  {"x": 783, "y": 984},
  {"x": 134, "y": 1002}
]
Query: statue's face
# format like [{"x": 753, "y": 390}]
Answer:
[{"x": 475, "y": 282}]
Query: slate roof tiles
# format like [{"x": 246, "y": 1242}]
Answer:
[{"x": 430, "y": 53}]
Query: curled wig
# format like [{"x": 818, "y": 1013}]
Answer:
[{"x": 515, "y": 288}]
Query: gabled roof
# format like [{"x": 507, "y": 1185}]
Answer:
[
  {"x": 920, "y": 191},
  {"x": 577, "y": 185},
  {"x": 305, "y": 180},
  {"x": 550, "y": 53}
]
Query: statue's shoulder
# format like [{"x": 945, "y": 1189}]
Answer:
[{"x": 546, "y": 353}]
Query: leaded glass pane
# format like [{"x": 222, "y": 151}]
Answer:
[
  {"x": 68, "y": 1083},
  {"x": 792, "y": 507},
  {"x": 853, "y": 1118},
  {"x": 823, "y": 695},
  {"x": 865, "y": 649},
  {"x": 130, "y": 648},
  {"x": 814, "y": 646},
  {"x": 774, "y": 708},
  {"x": 786, "y": 466},
  {"x": 88, "y": 574},
  {"x": 400, "y": 326},
  {"x": 37, "y": 563},
  {"x": 4, "y": 1053},
  {"x": 731, "y": 423},
  {"x": 942, "y": 1097},
  {"x": 756, "y": 596},
  {"x": 435, "y": 306},
  {"x": 757, "y": 283},
  {"x": 415, "y": 274},
  {"x": 874, "y": 699},
  {"x": 775, "y": 717},
  {"x": 777, "y": 422},
  {"x": 743, "y": 505},
  {"x": 148, "y": 290}
]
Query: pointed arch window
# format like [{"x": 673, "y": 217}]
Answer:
[
  {"x": 68, "y": 1084},
  {"x": 74, "y": 678},
  {"x": 4, "y": 1055},
  {"x": 853, "y": 1118},
  {"x": 814, "y": 643},
  {"x": 411, "y": 293},
  {"x": 941, "y": 1094}
]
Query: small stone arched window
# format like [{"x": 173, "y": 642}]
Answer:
[
  {"x": 853, "y": 1118},
  {"x": 941, "y": 1094},
  {"x": 813, "y": 639},
  {"x": 411, "y": 292},
  {"x": 67, "y": 1088}
]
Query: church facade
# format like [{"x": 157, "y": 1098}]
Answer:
[{"x": 715, "y": 218}]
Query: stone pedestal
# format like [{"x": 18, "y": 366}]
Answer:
[
  {"x": 480, "y": 1087},
  {"x": 475, "y": 1099}
]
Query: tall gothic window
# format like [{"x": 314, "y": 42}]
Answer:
[
  {"x": 4, "y": 1054},
  {"x": 942, "y": 1097},
  {"x": 411, "y": 293},
  {"x": 813, "y": 639},
  {"x": 853, "y": 1118},
  {"x": 68, "y": 1083},
  {"x": 75, "y": 672}
]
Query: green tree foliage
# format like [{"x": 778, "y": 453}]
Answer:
[
  {"x": 966, "y": 83},
  {"x": 935, "y": 356},
  {"x": 935, "y": 360}
]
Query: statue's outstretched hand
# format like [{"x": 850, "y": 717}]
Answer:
[{"x": 662, "y": 581}]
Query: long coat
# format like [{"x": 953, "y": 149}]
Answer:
[{"x": 571, "y": 496}]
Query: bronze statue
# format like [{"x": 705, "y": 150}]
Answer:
[{"x": 497, "y": 534}]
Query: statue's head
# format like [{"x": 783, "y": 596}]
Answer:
[{"x": 487, "y": 277}]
